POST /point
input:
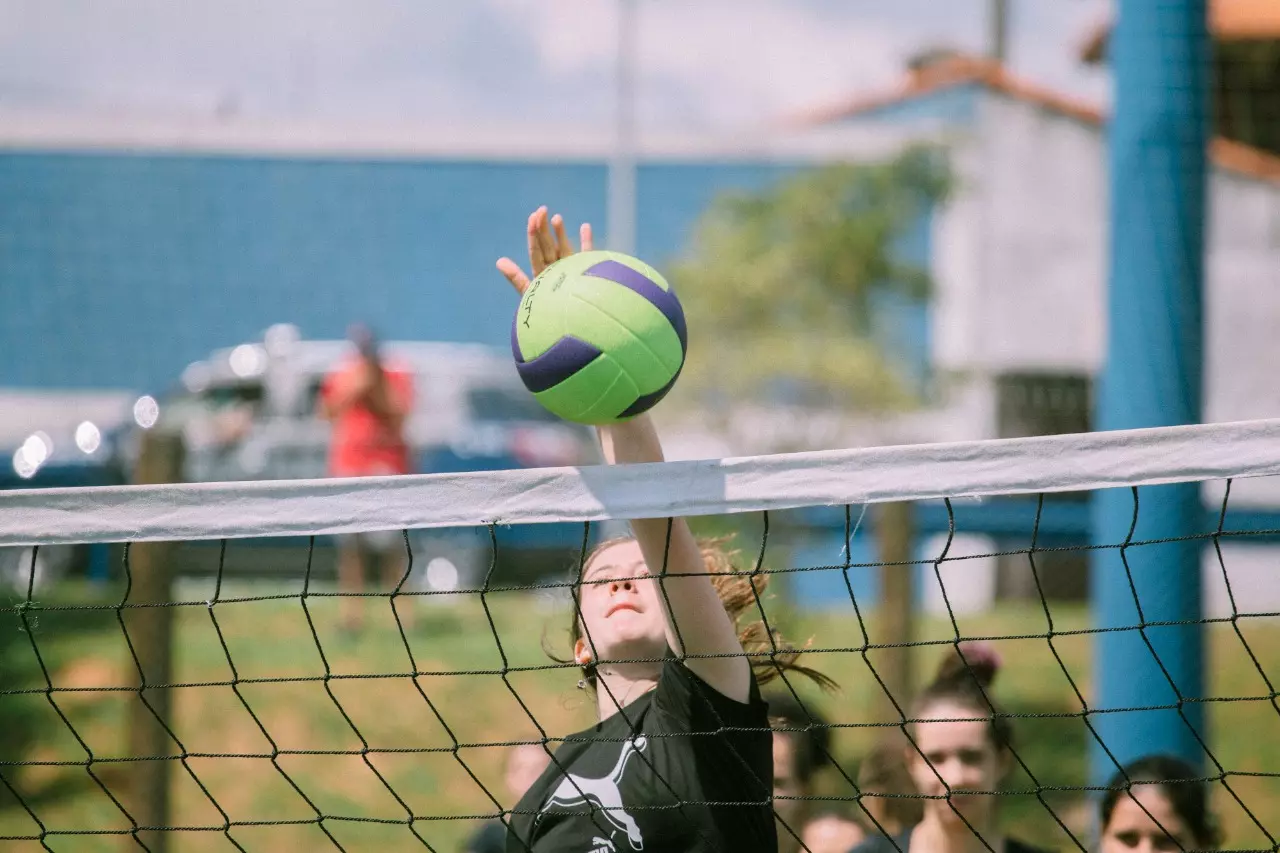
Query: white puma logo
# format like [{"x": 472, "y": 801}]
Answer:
[{"x": 603, "y": 793}]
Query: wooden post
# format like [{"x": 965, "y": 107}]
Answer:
[
  {"x": 151, "y": 633},
  {"x": 894, "y": 537}
]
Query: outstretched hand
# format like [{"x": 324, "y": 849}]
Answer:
[{"x": 547, "y": 244}]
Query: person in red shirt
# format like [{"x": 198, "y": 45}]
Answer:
[{"x": 367, "y": 400}]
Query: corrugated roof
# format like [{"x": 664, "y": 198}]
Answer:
[{"x": 961, "y": 70}]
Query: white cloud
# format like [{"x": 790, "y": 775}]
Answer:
[
  {"x": 724, "y": 61},
  {"x": 756, "y": 58},
  {"x": 1049, "y": 51},
  {"x": 701, "y": 62}
]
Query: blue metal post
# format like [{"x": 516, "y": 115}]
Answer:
[
  {"x": 99, "y": 562},
  {"x": 1158, "y": 159}
]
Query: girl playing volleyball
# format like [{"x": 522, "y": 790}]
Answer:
[{"x": 681, "y": 758}]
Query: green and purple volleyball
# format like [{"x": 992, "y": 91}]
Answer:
[{"x": 599, "y": 337}]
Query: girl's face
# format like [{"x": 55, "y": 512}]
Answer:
[
  {"x": 621, "y": 608},
  {"x": 960, "y": 751},
  {"x": 786, "y": 785},
  {"x": 1132, "y": 830}
]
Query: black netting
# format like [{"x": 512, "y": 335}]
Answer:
[{"x": 279, "y": 729}]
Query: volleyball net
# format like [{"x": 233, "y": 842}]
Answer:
[{"x": 208, "y": 697}]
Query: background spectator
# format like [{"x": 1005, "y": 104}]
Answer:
[
  {"x": 1157, "y": 803},
  {"x": 959, "y": 757},
  {"x": 367, "y": 401}
]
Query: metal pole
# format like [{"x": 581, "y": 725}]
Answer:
[
  {"x": 1152, "y": 377},
  {"x": 999, "y": 46},
  {"x": 622, "y": 164}
]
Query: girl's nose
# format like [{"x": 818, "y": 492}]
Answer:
[{"x": 954, "y": 773}]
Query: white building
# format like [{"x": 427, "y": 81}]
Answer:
[{"x": 1020, "y": 258}]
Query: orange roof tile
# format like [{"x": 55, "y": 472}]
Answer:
[
  {"x": 960, "y": 70},
  {"x": 1231, "y": 20}
]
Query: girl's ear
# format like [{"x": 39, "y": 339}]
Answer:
[
  {"x": 1004, "y": 763},
  {"x": 581, "y": 653}
]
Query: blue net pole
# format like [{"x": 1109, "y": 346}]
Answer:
[{"x": 1158, "y": 159}]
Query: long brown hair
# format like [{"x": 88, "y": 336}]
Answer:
[{"x": 769, "y": 655}]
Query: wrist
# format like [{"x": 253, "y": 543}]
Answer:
[{"x": 635, "y": 440}]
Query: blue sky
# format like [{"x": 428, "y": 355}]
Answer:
[{"x": 703, "y": 63}]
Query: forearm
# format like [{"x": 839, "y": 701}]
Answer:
[
  {"x": 342, "y": 397},
  {"x": 635, "y": 440},
  {"x": 388, "y": 405},
  {"x": 696, "y": 620}
]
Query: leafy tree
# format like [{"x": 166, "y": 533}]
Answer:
[
  {"x": 1247, "y": 77},
  {"x": 778, "y": 285}
]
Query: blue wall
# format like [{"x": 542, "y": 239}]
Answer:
[{"x": 117, "y": 270}]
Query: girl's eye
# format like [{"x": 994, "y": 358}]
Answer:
[{"x": 1129, "y": 839}]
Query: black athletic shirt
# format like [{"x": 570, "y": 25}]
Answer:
[
  {"x": 880, "y": 844},
  {"x": 640, "y": 779}
]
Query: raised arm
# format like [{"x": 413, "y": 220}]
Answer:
[
  {"x": 341, "y": 390},
  {"x": 370, "y": 385},
  {"x": 697, "y": 623}
]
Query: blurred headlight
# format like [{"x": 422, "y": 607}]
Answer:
[
  {"x": 22, "y": 466},
  {"x": 248, "y": 360},
  {"x": 38, "y": 448},
  {"x": 196, "y": 377},
  {"x": 146, "y": 411},
  {"x": 88, "y": 437}
]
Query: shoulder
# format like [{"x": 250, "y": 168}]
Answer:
[
  {"x": 877, "y": 842},
  {"x": 755, "y": 708},
  {"x": 489, "y": 838},
  {"x": 680, "y": 689},
  {"x": 1013, "y": 845},
  {"x": 881, "y": 844},
  {"x": 341, "y": 368},
  {"x": 397, "y": 368}
]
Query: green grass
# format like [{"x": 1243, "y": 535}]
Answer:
[{"x": 272, "y": 639}]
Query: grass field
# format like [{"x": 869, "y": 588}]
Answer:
[{"x": 272, "y": 639}]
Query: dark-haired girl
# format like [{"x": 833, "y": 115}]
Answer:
[
  {"x": 960, "y": 755},
  {"x": 1155, "y": 804}
]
